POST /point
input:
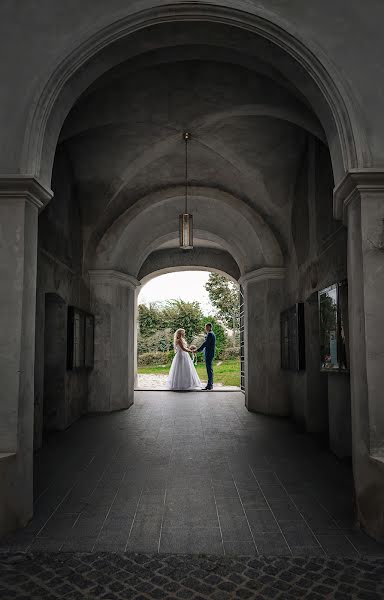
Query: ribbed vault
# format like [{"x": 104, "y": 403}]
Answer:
[{"x": 218, "y": 217}]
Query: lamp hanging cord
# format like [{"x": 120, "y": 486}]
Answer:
[{"x": 186, "y": 138}]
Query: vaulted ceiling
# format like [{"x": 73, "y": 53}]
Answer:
[{"x": 249, "y": 130}]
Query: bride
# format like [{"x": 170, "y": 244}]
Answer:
[{"x": 182, "y": 375}]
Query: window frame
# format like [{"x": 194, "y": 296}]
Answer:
[
  {"x": 341, "y": 320},
  {"x": 76, "y": 357},
  {"x": 292, "y": 338}
]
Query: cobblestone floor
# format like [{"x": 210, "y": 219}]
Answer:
[
  {"x": 189, "y": 473},
  {"x": 110, "y": 576}
]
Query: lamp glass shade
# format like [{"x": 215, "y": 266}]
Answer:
[{"x": 186, "y": 231}]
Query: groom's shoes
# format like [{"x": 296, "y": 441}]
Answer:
[{"x": 207, "y": 389}]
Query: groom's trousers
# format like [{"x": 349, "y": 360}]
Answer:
[{"x": 208, "y": 364}]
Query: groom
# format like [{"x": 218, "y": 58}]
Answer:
[{"x": 209, "y": 352}]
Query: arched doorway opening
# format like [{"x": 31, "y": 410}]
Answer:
[{"x": 171, "y": 299}]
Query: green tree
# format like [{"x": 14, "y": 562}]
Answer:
[
  {"x": 158, "y": 322},
  {"x": 160, "y": 341},
  {"x": 186, "y": 315},
  {"x": 150, "y": 319},
  {"x": 225, "y": 297}
]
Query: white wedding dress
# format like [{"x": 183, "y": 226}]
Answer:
[{"x": 182, "y": 374}]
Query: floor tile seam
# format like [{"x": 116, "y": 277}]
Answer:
[
  {"x": 133, "y": 520},
  {"x": 164, "y": 503},
  {"x": 101, "y": 477},
  {"x": 246, "y": 517},
  {"x": 35, "y": 501},
  {"x": 329, "y": 514},
  {"x": 270, "y": 508},
  {"x": 301, "y": 514},
  {"x": 218, "y": 518},
  {"x": 73, "y": 525},
  {"x": 56, "y": 509},
  {"x": 353, "y": 545},
  {"x": 105, "y": 519}
]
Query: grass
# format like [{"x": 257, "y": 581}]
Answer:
[{"x": 226, "y": 372}]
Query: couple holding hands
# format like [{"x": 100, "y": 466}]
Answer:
[{"x": 183, "y": 374}]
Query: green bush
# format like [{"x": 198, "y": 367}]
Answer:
[
  {"x": 158, "y": 322},
  {"x": 154, "y": 358},
  {"x": 160, "y": 341},
  {"x": 230, "y": 353}
]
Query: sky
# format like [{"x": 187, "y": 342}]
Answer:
[{"x": 187, "y": 285}]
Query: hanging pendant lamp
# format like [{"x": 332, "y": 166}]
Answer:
[{"x": 186, "y": 219}]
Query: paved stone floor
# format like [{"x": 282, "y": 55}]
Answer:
[
  {"x": 191, "y": 473},
  {"x": 187, "y": 495},
  {"x": 112, "y": 576}
]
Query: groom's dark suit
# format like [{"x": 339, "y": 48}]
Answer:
[{"x": 209, "y": 352}]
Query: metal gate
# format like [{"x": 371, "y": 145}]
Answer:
[{"x": 242, "y": 350}]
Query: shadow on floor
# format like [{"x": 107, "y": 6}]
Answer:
[{"x": 191, "y": 473}]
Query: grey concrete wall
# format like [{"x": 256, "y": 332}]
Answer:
[
  {"x": 297, "y": 393},
  {"x": 18, "y": 232},
  {"x": 199, "y": 258},
  {"x": 339, "y": 407},
  {"x": 319, "y": 25},
  {"x": 59, "y": 272},
  {"x": 113, "y": 301},
  {"x": 55, "y": 362},
  {"x": 265, "y": 388},
  {"x": 364, "y": 216},
  {"x": 316, "y": 392},
  {"x": 317, "y": 259}
]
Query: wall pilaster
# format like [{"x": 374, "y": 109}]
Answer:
[
  {"x": 21, "y": 198},
  {"x": 113, "y": 301},
  {"x": 359, "y": 200},
  {"x": 265, "y": 389}
]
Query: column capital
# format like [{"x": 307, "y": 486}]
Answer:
[
  {"x": 112, "y": 277},
  {"x": 262, "y": 274},
  {"x": 25, "y": 187},
  {"x": 353, "y": 184}
]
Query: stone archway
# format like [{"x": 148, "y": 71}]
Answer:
[
  {"x": 305, "y": 66},
  {"x": 338, "y": 114}
]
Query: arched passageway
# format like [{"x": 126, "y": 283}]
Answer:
[
  {"x": 173, "y": 298},
  {"x": 273, "y": 129}
]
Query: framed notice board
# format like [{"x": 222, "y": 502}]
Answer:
[
  {"x": 334, "y": 329},
  {"x": 292, "y": 338},
  {"x": 80, "y": 339}
]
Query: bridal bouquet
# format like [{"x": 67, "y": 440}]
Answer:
[{"x": 194, "y": 356}]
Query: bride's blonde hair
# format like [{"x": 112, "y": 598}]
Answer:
[{"x": 179, "y": 335}]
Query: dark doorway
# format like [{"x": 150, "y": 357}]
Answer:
[{"x": 55, "y": 352}]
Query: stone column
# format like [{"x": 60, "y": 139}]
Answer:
[
  {"x": 359, "y": 200},
  {"x": 20, "y": 200},
  {"x": 113, "y": 302},
  {"x": 265, "y": 390}
]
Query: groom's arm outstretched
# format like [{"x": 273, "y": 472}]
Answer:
[{"x": 205, "y": 343}]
